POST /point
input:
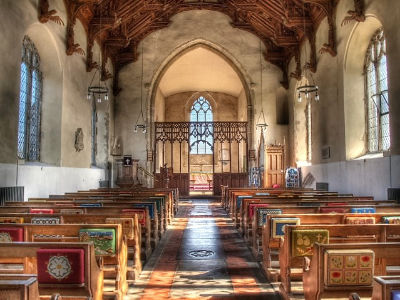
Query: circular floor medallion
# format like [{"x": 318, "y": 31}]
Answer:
[{"x": 201, "y": 253}]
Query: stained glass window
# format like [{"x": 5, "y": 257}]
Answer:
[
  {"x": 30, "y": 99},
  {"x": 201, "y": 131},
  {"x": 377, "y": 94}
]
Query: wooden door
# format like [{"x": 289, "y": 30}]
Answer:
[{"x": 275, "y": 166}]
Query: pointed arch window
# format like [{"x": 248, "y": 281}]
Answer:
[
  {"x": 30, "y": 100},
  {"x": 201, "y": 132},
  {"x": 377, "y": 94}
]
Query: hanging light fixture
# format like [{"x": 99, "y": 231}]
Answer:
[
  {"x": 140, "y": 122},
  {"x": 261, "y": 123},
  {"x": 98, "y": 92},
  {"x": 307, "y": 87}
]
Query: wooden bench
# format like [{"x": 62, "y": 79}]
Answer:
[
  {"x": 110, "y": 246},
  {"x": 19, "y": 286},
  {"x": 299, "y": 240},
  {"x": 338, "y": 270},
  {"x": 25, "y": 254},
  {"x": 272, "y": 232},
  {"x": 386, "y": 288}
]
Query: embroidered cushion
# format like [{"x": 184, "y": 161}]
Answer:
[
  {"x": 71, "y": 211},
  {"x": 336, "y": 204},
  {"x": 263, "y": 212},
  {"x": 45, "y": 221},
  {"x": 41, "y": 211},
  {"x": 61, "y": 266},
  {"x": 391, "y": 220},
  {"x": 150, "y": 206},
  {"x": 90, "y": 205},
  {"x": 262, "y": 194},
  {"x": 252, "y": 207},
  {"x": 102, "y": 238},
  {"x": 329, "y": 210},
  {"x": 139, "y": 212},
  {"x": 11, "y": 220},
  {"x": 11, "y": 234},
  {"x": 349, "y": 267},
  {"x": 396, "y": 295},
  {"x": 360, "y": 220},
  {"x": 279, "y": 223},
  {"x": 363, "y": 210},
  {"x": 303, "y": 240},
  {"x": 126, "y": 223},
  {"x": 309, "y": 204}
]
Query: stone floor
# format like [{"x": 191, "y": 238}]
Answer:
[{"x": 202, "y": 256}]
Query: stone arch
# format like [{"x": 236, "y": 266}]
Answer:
[
  {"x": 354, "y": 86},
  {"x": 181, "y": 50}
]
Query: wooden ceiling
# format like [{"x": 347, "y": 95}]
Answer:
[{"x": 119, "y": 25}]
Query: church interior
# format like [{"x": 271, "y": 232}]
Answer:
[{"x": 199, "y": 149}]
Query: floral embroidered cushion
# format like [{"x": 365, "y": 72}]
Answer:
[
  {"x": 303, "y": 240},
  {"x": 349, "y": 267},
  {"x": 61, "y": 266},
  {"x": 11, "y": 234},
  {"x": 102, "y": 238}
]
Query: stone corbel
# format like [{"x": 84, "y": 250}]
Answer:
[
  {"x": 312, "y": 64},
  {"x": 357, "y": 14},
  {"x": 90, "y": 64},
  {"x": 105, "y": 74},
  {"x": 46, "y": 15}
]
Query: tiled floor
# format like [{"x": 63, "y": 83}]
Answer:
[{"x": 202, "y": 256}]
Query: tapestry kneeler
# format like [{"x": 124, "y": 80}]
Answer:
[
  {"x": 103, "y": 239},
  {"x": 349, "y": 267},
  {"x": 303, "y": 240},
  {"x": 61, "y": 266}
]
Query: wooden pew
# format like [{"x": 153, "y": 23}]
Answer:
[
  {"x": 19, "y": 286},
  {"x": 114, "y": 259},
  {"x": 25, "y": 253},
  {"x": 386, "y": 287},
  {"x": 291, "y": 253},
  {"x": 324, "y": 275}
]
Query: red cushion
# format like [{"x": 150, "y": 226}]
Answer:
[
  {"x": 336, "y": 204},
  {"x": 252, "y": 207},
  {"x": 41, "y": 211},
  {"x": 11, "y": 234},
  {"x": 332, "y": 210},
  {"x": 61, "y": 266},
  {"x": 141, "y": 213}
]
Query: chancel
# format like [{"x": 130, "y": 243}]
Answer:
[{"x": 199, "y": 149}]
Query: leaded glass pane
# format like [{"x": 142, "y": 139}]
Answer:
[
  {"x": 29, "y": 103},
  {"x": 377, "y": 94},
  {"x": 201, "y": 135},
  {"x": 23, "y": 95}
]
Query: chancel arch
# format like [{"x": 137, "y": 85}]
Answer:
[{"x": 212, "y": 84}]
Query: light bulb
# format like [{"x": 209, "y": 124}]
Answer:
[
  {"x": 98, "y": 99},
  {"x": 144, "y": 129},
  {"x": 88, "y": 96},
  {"x": 106, "y": 97},
  {"x": 317, "y": 97},
  {"x": 307, "y": 95},
  {"x": 299, "y": 97},
  {"x": 135, "y": 130}
]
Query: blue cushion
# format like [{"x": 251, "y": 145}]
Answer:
[
  {"x": 362, "y": 210},
  {"x": 239, "y": 200},
  {"x": 263, "y": 194},
  {"x": 91, "y": 205},
  {"x": 396, "y": 295},
  {"x": 150, "y": 206}
]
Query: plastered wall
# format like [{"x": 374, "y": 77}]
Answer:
[
  {"x": 64, "y": 105},
  {"x": 339, "y": 117}
]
